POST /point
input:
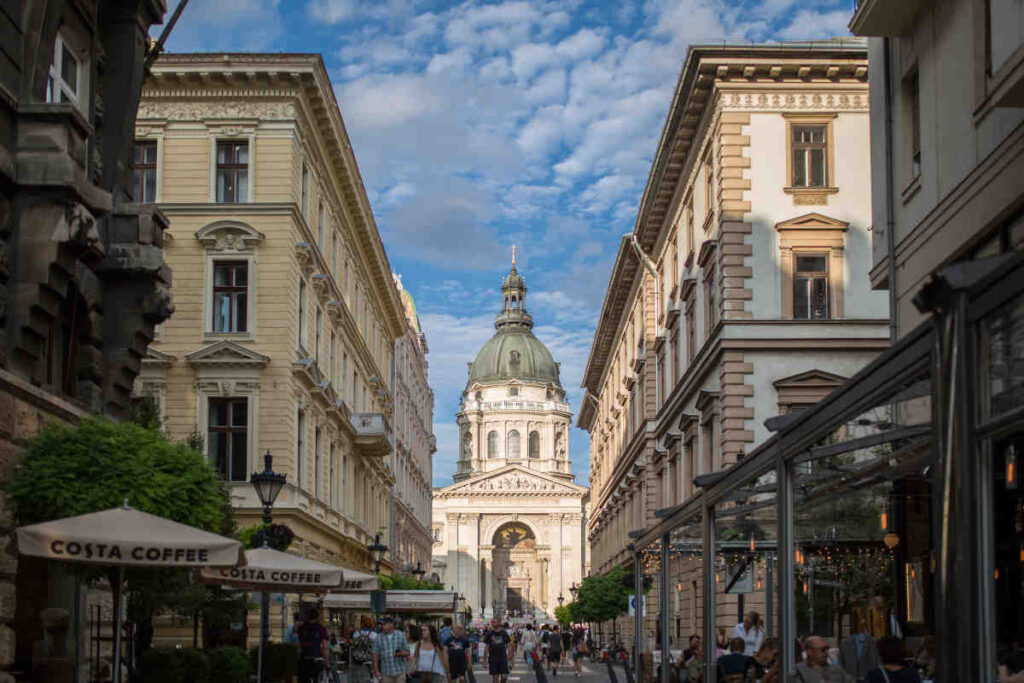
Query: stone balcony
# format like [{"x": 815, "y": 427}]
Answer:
[{"x": 373, "y": 435}]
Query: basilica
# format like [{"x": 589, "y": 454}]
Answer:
[{"x": 509, "y": 532}]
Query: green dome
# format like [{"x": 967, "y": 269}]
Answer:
[{"x": 514, "y": 353}]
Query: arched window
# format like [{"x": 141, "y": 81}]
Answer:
[
  {"x": 513, "y": 444},
  {"x": 492, "y": 444},
  {"x": 534, "y": 445}
]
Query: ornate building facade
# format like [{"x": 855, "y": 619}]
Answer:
[
  {"x": 412, "y": 459},
  {"x": 284, "y": 337},
  {"x": 83, "y": 281},
  {"x": 742, "y": 292},
  {"x": 508, "y": 534}
]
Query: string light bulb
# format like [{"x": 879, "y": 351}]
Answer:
[
  {"x": 1011, "y": 469},
  {"x": 751, "y": 544},
  {"x": 885, "y": 521}
]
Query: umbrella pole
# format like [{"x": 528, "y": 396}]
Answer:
[
  {"x": 118, "y": 597},
  {"x": 264, "y": 632}
]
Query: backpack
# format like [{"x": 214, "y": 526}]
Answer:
[
  {"x": 544, "y": 637},
  {"x": 309, "y": 640},
  {"x": 362, "y": 647}
]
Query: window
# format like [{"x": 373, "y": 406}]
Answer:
[
  {"x": 317, "y": 467},
  {"x": 317, "y": 334},
  {"x": 709, "y": 196},
  {"x": 710, "y": 301},
  {"x": 232, "y": 172},
  {"x": 299, "y": 431},
  {"x": 228, "y": 437},
  {"x": 334, "y": 258},
  {"x": 534, "y": 445},
  {"x": 810, "y": 156},
  {"x": 689, "y": 231},
  {"x": 513, "y": 391},
  {"x": 230, "y": 296},
  {"x": 492, "y": 444},
  {"x": 912, "y": 123},
  {"x": 810, "y": 287},
  {"x": 691, "y": 329},
  {"x": 66, "y": 75},
  {"x": 144, "y": 161},
  {"x": 321, "y": 226},
  {"x": 513, "y": 444},
  {"x": 330, "y": 361},
  {"x": 302, "y": 312},
  {"x": 332, "y": 484},
  {"x": 305, "y": 190},
  {"x": 708, "y": 464},
  {"x": 344, "y": 372}
]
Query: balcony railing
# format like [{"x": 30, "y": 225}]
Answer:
[
  {"x": 516, "y": 405},
  {"x": 373, "y": 435}
]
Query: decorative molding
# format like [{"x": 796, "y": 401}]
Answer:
[
  {"x": 229, "y": 236},
  {"x": 226, "y": 354},
  {"x": 796, "y": 100},
  {"x": 211, "y": 106}
]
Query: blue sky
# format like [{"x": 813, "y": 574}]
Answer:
[{"x": 478, "y": 125}]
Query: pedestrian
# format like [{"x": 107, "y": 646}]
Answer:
[
  {"x": 429, "y": 663},
  {"x": 289, "y": 633},
  {"x": 529, "y": 641},
  {"x": 732, "y": 668},
  {"x": 361, "y": 651},
  {"x": 554, "y": 649},
  {"x": 763, "y": 659},
  {"x": 545, "y": 636},
  {"x": 891, "y": 670},
  {"x": 458, "y": 651},
  {"x": 579, "y": 650},
  {"x": 312, "y": 647},
  {"x": 721, "y": 643},
  {"x": 334, "y": 650},
  {"x": 446, "y": 630},
  {"x": 499, "y": 651},
  {"x": 751, "y": 631},
  {"x": 1011, "y": 667},
  {"x": 566, "y": 641},
  {"x": 816, "y": 667},
  {"x": 688, "y": 653},
  {"x": 390, "y": 653},
  {"x": 695, "y": 667}
]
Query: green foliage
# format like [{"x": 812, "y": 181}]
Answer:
[
  {"x": 401, "y": 582},
  {"x": 601, "y": 598},
  {"x": 280, "y": 661},
  {"x": 563, "y": 614},
  {"x": 279, "y": 536},
  {"x": 146, "y": 412},
  {"x": 175, "y": 666},
  {"x": 72, "y": 470},
  {"x": 228, "y": 665}
]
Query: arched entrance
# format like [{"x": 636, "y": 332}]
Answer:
[{"x": 519, "y": 575}]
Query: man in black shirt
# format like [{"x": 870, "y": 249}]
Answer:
[
  {"x": 499, "y": 651},
  {"x": 458, "y": 649}
]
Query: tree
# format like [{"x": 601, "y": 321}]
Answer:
[
  {"x": 97, "y": 464},
  {"x": 563, "y": 614},
  {"x": 601, "y": 598}
]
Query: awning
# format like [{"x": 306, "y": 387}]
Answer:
[
  {"x": 396, "y": 601},
  {"x": 272, "y": 570},
  {"x": 125, "y": 536},
  {"x": 358, "y": 582}
]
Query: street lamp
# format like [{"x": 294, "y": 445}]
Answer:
[
  {"x": 419, "y": 571},
  {"x": 574, "y": 589},
  {"x": 561, "y": 599},
  {"x": 268, "y": 485},
  {"x": 377, "y": 551}
]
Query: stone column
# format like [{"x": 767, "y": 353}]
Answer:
[
  {"x": 471, "y": 580},
  {"x": 452, "y": 546}
]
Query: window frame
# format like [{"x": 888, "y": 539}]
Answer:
[
  {"x": 812, "y": 234},
  {"x": 56, "y": 84},
  {"x": 812, "y": 194},
  {"x": 514, "y": 444},
  {"x": 493, "y": 448},
  {"x": 533, "y": 445},
  {"x": 235, "y": 166},
  {"x": 227, "y": 241},
  {"x": 229, "y": 430},
  {"x": 233, "y": 288},
  {"x": 139, "y": 171},
  {"x": 811, "y": 277}
]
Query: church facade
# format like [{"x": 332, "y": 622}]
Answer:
[{"x": 509, "y": 532}]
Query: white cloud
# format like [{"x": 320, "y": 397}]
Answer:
[{"x": 331, "y": 11}]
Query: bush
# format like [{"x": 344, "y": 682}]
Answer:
[
  {"x": 175, "y": 666},
  {"x": 280, "y": 661},
  {"x": 228, "y": 665}
]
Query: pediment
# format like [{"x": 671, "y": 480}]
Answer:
[
  {"x": 226, "y": 354},
  {"x": 512, "y": 480},
  {"x": 229, "y": 236},
  {"x": 811, "y": 378},
  {"x": 158, "y": 358},
  {"x": 812, "y": 221}
]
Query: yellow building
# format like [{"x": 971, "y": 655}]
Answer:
[{"x": 283, "y": 335}]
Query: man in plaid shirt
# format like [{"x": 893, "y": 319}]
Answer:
[{"x": 390, "y": 653}]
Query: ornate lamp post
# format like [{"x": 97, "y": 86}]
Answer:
[
  {"x": 419, "y": 571},
  {"x": 268, "y": 485},
  {"x": 574, "y": 589},
  {"x": 561, "y": 599},
  {"x": 377, "y": 551}
]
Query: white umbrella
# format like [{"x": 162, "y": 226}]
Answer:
[
  {"x": 272, "y": 570},
  {"x": 358, "y": 582},
  {"x": 125, "y": 537}
]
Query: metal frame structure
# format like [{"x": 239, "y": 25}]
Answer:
[{"x": 946, "y": 348}]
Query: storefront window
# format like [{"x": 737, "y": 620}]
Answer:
[
  {"x": 746, "y": 580},
  {"x": 1002, "y": 346},
  {"x": 862, "y": 533},
  {"x": 685, "y": 597}
]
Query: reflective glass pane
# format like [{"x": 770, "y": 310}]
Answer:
[
  {"x": 239, "y": 413},
  {"x": 814, "y": 264},
  {"x": 218, "y": 413},
  {"x": 69, "y": 69},
  {"x": 1003, "y": 344},
  {"x": 242, "y": 153},
  {"x": 817, "y": 167},
  {"x": 819, "y": 298},
  {"x": 241, "y": 312},
  {"x": 224, "y": 189},
  {"x": 217, "y": 448},
  {"x": 801, "y": 298},
  {"x": 222, "y": 312},
  {"x": 799, "y": 167},
  {"x": 223, "y": 154},
  {"x": 238, "y": 459},
  {"x": 241, "y": 186},
  {"x": 1007, "y": 540},
  {"x": 685, "y": 599},
  {"x": 241, "y": 275},
  {"x": 149, "y": 186}
]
